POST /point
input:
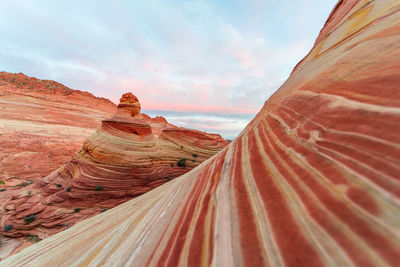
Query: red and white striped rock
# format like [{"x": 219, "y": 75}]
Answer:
[
  {"x": 120, "y": 161},
  {"x": 313, "y": 180}
]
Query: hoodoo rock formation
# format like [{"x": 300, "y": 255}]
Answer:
[
  {"x": 129, "y": 106},
  {"x": 120, "y": 161},
  {"x": 313, "y": 180}
]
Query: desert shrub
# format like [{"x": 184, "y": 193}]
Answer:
[
  {"x": 30, "y": 218},
  {"x": 32, "y": 238},
  {"x": 8, "y": 227},
  {"x": 181, "y": 163},
  {"x": 2, "y": 190},
  {"x": 172, "y": 165},
  {"x": 23, "y": 184},
  {"x": 99, "y": 188},
  {"x": 77, "y": 209},
  {"x": 103, "y": 210},
  {"x": 194, "y": 155},
  {"x": 169, "y": 178},
  {"x": 58, "y": 185},
  {"x": 68, "y": 189},
  {"x": 2, "y": 182}
]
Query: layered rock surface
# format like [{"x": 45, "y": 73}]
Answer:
[
  {"x": 313, "y": 180},
  {"x": 122, "y": 160},
  {"x": 42, "y": 124}
]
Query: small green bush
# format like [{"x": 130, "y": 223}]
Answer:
[
  {"x": 58, "y": 185},
  {"x": 172, "y": 165},
  {"x": 23, "y": 184},
  {"x": 194, "y": 155},
  {"x": 2, "y": 182},
  {"x": 2, "y": 190},
  {"x": 103, "y": 210},
  {"x": 33, "y": 238},
  {"x": 99, "y": 188},
  {"x": 8, "y": 227},
  {"x": 68, "y": 189},
  {"x": 30, "y": 218},
  {"x": 169, "y": 178},
  {"x": 77, "y": 210},
  {"x": 181, "y": 163}
]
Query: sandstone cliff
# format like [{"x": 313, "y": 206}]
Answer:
[
  {"x": 42, "y": 124},
  {"x": 313, "y": 180}
]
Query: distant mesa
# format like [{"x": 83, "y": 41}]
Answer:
[
  {"x": 160, "y": 119},
  {"x": 19, "y": 83}
]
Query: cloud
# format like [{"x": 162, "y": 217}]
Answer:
[
  {"x": 193, "y": 56},
  {"x": 228, "y": 125}
]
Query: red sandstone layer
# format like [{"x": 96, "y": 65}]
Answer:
[{"x": 42, "y": 124}]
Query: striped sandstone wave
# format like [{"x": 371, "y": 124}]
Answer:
[
  {"x": 120, "y": 161},
  {"x": 313, "y": 180}
]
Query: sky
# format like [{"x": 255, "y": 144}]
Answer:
[{"x": 207, "y": 65}]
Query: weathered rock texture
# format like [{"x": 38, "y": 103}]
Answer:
[
  {"x": 129, "y": 106},
  {"x": 42, "y": 124},
  {"x": 312, "y": 181},
  {"x": 120, "y": 161}
]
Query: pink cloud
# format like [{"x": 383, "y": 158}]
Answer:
[{"x": 154, "y": 105}]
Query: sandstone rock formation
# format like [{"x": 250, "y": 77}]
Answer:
[
  {"x": 120, "y": 161},
  {"x": 42, "y": 124},
  {"x": 129, "y": 106},
  {"x": 313, "y": 180}
]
